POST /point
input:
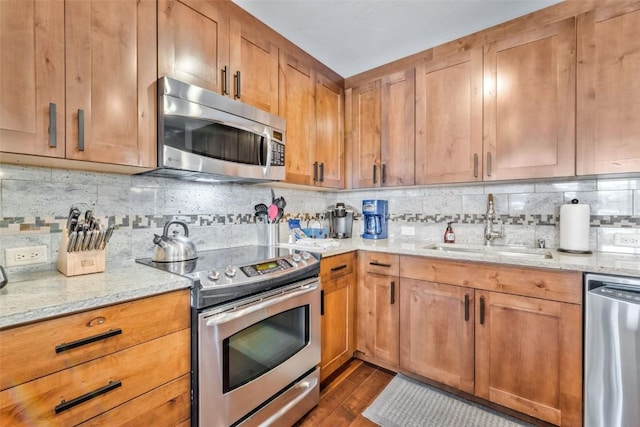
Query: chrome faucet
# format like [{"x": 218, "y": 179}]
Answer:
[{"x": 489, "y": 234}]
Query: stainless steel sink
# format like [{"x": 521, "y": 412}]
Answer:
[{"x": 501, "y": 251}]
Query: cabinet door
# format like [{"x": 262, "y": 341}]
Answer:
[
  {"x": 297, "y": 106},
  {"x": 449, "y": 119},
  {"x": 111, "y": 81},
  {"x": 529, "y": 104},
  {"x": 254, "y": 68},
  {"x": 193, "y": 44},
  {"x": 608, "y": 129},
  {"x": 398, "y": 129},
  {"x": 329, "y": 132},
  {"x": 365, "y": 137},
  {"x": 32, "y": 77},
  {"x": 337, "y": 323},
  {"x": 436, "y": 332},
  {"x": 529, "y": 356},
  {"x": 378, "y": 317}
]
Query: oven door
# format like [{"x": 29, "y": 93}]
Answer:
[{"x": 248, "y": 354}]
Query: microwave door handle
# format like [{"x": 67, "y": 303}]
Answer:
[{"x": 267, "y": 164}]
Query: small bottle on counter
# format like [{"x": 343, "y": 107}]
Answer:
[{"x": 449, "y": 235}]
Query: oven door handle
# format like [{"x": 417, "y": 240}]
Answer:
[{"x": 260, "y": 304}]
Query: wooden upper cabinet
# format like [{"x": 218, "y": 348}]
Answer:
[
  {"x": 398, "y": 129},
  {"x": 529, "y": 356},
  {"x": 383, "y": 131},
  {"x": 313, "y": 106},
  {"x": 32, "y": 99},
  {"x": 111, "y": 81},
  {"x": 529, "y": 104},
  {"x": 330, "y": 153},
  {"x": 253, "y": 65},
  {"x": 193, "y": 44},
  {"x": 449, "y": 119},
  {"x": 365, "y": 134},
  {"x": 297, "y": 106},
  {"x": 608, "y": 125}
]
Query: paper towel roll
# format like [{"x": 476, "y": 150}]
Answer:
[{"x": 574, "y": 227}]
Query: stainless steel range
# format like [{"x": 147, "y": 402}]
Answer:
[{"x": 255, "y": 334}]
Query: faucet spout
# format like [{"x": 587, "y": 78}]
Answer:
[{"x": 489, "y": 233}]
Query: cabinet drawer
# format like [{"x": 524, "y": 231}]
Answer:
[
  {"x": 379, "y": 263},
  {"x": 337, "y": 266},
  {"x": 165, "y": 406},
  {"x": 53, "y": 345},
  {"x": 130, "y": 373},
  {"x": 563, "y": 286}
]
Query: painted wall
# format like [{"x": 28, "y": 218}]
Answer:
[{"x": 35, "y": 202}]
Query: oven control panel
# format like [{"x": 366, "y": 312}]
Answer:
[{"x": 269, "y": 267}]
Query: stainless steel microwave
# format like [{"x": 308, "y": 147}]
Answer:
[{"x": 204, "y": 136}]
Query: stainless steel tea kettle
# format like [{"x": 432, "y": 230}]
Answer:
[{"x": 174, "y": 248}]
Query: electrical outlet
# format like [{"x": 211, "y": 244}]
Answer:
[
  {"x": 630, "y": 240},
  {"x": 25, "y": 256}
]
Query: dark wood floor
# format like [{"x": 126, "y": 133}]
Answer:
[{"x": 345, "y": 395}]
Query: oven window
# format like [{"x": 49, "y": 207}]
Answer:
[
  {"x": 261, "y": 347},
  {"x": 215, "y": 140}
]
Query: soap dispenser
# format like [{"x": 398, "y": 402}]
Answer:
[{"x": 449, "y": 235}]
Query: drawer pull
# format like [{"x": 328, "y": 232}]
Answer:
[
  {"x": 379, "y": 264},
  {"x": 64, "y": 405},
  {"x": 52, "y": 125},
  {"x": 340, "y": 267},
  {"x": 68, "y": 346},
  {"x": 466, "y": 307},
  {"x": 80, "y": 130},
  {"x": 321, "y": 303},
  {"x": 482, "y": 310}
]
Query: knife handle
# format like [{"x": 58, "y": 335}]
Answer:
[
  {"x": 79, "y": 239},
  {"x": 71, "y": 244}
]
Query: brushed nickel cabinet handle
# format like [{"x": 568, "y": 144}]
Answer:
[
  {"x": 52, "y": 125},
  {"x": 80, "y": 130},
  {"x": 488, "y": 164},
  {"x": 64, "y": 405},
  {"x": 475, "y": 165}
]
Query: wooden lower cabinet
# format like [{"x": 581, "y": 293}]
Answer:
[
  {"x": 125, "y": 364},
  {"x": 436, "y": 332},
  {"x": 378, "y": 306},
  {"x": 529, "y": 356},
  {"x": 484, "y": 329},
  {"x": 338, "y": 279}
]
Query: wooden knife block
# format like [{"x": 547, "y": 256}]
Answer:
[{"x": 82, "y": 262}]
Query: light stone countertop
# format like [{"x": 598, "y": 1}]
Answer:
[
  {"x": 35, "y": 296},
  {"x": 598, "y": 262}
]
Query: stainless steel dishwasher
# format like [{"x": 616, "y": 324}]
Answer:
[{"x": 612, "y": 351}]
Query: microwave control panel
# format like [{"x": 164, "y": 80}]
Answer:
[{"x": 277, "y": 154}]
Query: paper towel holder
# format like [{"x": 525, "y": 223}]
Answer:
[{"x": 573, "y": 251}]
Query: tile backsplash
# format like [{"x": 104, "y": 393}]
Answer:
[{"x": 35, "y": 202}]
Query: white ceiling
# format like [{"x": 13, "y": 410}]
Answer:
[{"x": 352, "y": 36}]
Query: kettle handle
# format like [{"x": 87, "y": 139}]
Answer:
[{"x": 167, "y": 225}]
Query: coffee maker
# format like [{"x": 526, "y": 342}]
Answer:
[
  {"x": 375, "y": 214},
  {"x": 340, "y": 221}
]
